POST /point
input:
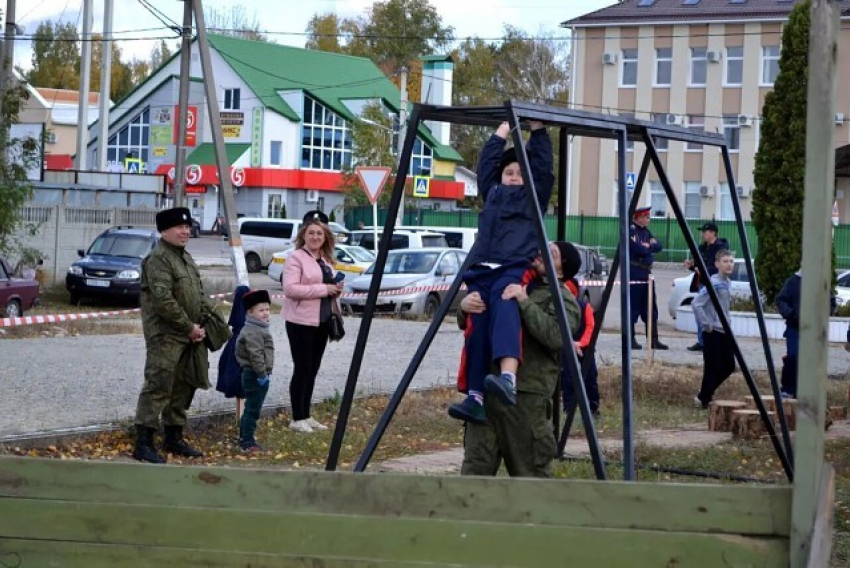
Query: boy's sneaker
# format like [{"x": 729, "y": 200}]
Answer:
[
  {"x": 699, "y": 404},
  {"x": 251, "y": 447},
  {"x": 501, "y": 386},
  {"x": 786, "y": 395},
  {"x": 301, "y": 426},
  {"x": 469, "y": 411},
  {"x": 315, "y": 424}
]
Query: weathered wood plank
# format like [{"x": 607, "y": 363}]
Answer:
[
  {"x": 821, "y": 547},
  {"x": 762, "y": 510},
  {"x": 465, "y": 543},
  {"x": 23, "y": 553}
]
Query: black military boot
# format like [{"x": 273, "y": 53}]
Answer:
[
  {"x": 656, "y": 344},
  {"x": 145, "y": 450},
  {"x": 175, "y": 444},
  {"x": 635, "y": 344}
]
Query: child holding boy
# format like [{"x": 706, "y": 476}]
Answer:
[
  {"x": 502, "y": 255},
  {"x": 255, "y": 353},
  {"x": 718, "y": 354}
]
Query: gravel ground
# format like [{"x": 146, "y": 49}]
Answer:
[{"x": 53, "y": 383}]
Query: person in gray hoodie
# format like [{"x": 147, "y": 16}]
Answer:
[
  {"x": 718, "y": 355},
  {"x": 255, "y": 354}
]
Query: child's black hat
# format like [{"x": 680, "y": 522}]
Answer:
[
  {"x": 508, "y": 158},
  {"x": 254, "y": 297},
  {"x": 570, "y": 259}
]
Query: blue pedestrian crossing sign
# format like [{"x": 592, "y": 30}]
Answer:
[
  {"x": 421, "y": 186},
  {"x": 630, "y": 181}
]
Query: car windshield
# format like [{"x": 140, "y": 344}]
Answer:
[
  {"x": 121, "y": 245},
  {"x": 359, "y": 254},
  {"x": 409, "y": 263}
]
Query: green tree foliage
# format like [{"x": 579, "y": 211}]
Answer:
[
  {"x": 373, "y": 143},
  {"x": 160, "y": 54},
  {"x": 781, "y": 161},
  {"x": 121, "y": 74},
  {"x": 324, "y": 33},
  {"x": 55, "y": 56}
]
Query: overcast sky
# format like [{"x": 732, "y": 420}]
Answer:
[{"x": 482, "y": 18}]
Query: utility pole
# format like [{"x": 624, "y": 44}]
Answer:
[
  {"x": 105, "y": 86},
  {"x": 402, "y": 133},
  {"x": 183, "y": 106},
  {"x": 7, "y": 63},
  {"x": 85, "y": 83},
  {"x": 236, "y": 253}
]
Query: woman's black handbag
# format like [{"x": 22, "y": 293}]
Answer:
[{"x": 336, "y": 330}]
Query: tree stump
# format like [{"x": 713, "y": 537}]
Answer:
[
  {"x": 720, "y": 414},
  {"x": 789, "y": 406},
  {"x": 767, "y": 399},
  {"x": 838, "y": 413},
  {"x": 748, "y": 425}
]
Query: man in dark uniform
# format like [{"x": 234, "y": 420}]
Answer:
[
  {"x": 642, "y": 248},
  {"x": 709, "y": 247},
  {"x": 173, "y": 309}
]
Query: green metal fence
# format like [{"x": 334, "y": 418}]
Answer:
[{"x": 602, "y": 232}]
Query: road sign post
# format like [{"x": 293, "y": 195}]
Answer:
[
  {"x": 373, "y": 179},
  {"x": 421, "y": 186}
]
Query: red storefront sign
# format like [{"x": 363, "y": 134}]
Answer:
[{"x": 191, "y": 126}]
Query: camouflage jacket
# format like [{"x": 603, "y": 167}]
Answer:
[
  {"x": 541, "y": 338},
  {"x": 173, "y": 298}
]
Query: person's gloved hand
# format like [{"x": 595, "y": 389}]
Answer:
[{"x": 264, "y": 380}]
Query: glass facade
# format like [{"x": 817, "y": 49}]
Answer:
[
  {"x": 325, "y": 138},
  {"x": 131, "y": 141},
  {"x": 422, "y": 159}
]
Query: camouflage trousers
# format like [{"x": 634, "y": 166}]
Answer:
[
  {"x": 520, "y": 435},
  {"x": 169, "y": 384}
]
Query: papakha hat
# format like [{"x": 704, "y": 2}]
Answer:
[
  {"x": 254, "y": 297},
  {"x": 315, "y": 215},
  {"x": 172, "y": 218}
]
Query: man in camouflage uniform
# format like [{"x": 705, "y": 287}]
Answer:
[
  {"x": 173, "y": 308},
  {"x": 522, "y": 435}
]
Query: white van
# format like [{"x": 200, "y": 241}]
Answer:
[
  {"x": 401, "y": 239},
  {"x": 262, "y": 237},
  {"x": 456, "y": 237}
]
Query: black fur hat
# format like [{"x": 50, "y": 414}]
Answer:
[
  {"x": 315, "y": 215},
  {"x": 570, "y": 259},
  {"x": 254, "y": 297},
  {"x": 172, "y": 218},
  {"x": 509, "y": 157}
]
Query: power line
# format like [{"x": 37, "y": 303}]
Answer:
[{"x": 162, "y": 17}]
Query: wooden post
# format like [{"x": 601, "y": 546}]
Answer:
[{"x": 817, "y": 246}]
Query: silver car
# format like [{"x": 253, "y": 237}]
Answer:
[{"x": 415, "y": 282}]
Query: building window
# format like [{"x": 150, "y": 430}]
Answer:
[
  {"x": 231, "y": 99},
  {"x": 663, "y": 66},
  {"x": 275, "y": 151},
  {"x": 275, "y": 207},
  {"x": 732, "y": 132},
  {"x": 699, "y": 63},
  {"x": 696, "y": 123},
  {"x": 693, "y": 203},
  {"x": 769, "y": 64},
  {"x": 131, "y": 142},
  {"x": 630, "y": 144},
  {"x": 422, "y": 159},
  {"x": 628, "y": 69},
  {"x": 661, "y": 144},
  {"x": 726, "y": 212},
  {"x": 325, "y": 138},
  {"x": 734, "y": 66},
  {"x": 657, "y": 199}
]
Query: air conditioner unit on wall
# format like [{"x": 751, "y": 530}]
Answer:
[
  {"x": 312, "y": 196},
  {"x": 50, "y": 138},
  {"x": 743, "y": 191},
  {"x": 609, "y": 58},
  {"x": 674, "y": 119},
  {"x": 713, "y": 56},
  {"x": 744, "y": 120},
  {"x": 706, "y": 191}
]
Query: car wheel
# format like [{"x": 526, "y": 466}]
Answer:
[
  {"x": 252, "y": 262},
  {"x": 196, "y": 231},
  {"x": 13, "y": 309},
  {"x": 75, "y": 299},
  {"x": 432, "y": 304}
]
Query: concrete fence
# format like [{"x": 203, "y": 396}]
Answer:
[{"x": 63, "y": 229}]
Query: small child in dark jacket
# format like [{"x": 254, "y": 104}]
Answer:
[
  {"x": 502, "y": 255},
  {"x": 255, "y": 353}
]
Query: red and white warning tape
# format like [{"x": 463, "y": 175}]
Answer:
[{"x": 62, "y": 318}]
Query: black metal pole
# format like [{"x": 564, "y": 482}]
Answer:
[
  {"x": 554, "y": 288},
  {"x": 371, "y": 299},
  {"x": 407, "y": 378},
  {"x": 754, "y": 289},
  {"x": 715, "y": 301},
  {"x": 563, "y": 145}
]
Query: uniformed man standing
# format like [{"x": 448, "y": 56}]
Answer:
[
  {"x": 642, "y": 248},
  {"x": 173, "y": 309}
]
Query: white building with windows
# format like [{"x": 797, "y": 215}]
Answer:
[
  {"x": 285, "y": 113},
  {"x": 703, "y": 64}
]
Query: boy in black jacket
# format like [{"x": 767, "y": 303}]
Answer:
[{"x": 503, "y": 253}]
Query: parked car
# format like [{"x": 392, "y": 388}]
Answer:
[
  {"x": 16, "y": 294},
  {"x": 352, "y": 260},
  {"x": 112, "y": 265},
  {"x": 401, "y": 239},
  {"x": 196, "y": 228},
  {"x": 413, "y": 267},
  {"x": 456, "y": 237},
  {"x": 842, "y": 289},
  {"x": 594, "y": 266},
  {"x": 680, "y": 295},
  {"x": 261, "y": 238}
]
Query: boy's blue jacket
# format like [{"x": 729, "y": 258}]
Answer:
[
  {"x": 229, "y": 370},
  {"x": 505, "y": 226}
]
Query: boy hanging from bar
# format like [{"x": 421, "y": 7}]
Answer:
[{"x": 502, "y": 255}]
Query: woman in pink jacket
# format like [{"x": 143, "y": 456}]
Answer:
[{"x": 309, "y": 290}]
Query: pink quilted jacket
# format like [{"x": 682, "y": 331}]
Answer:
[{"x": 303, "y": 288}]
